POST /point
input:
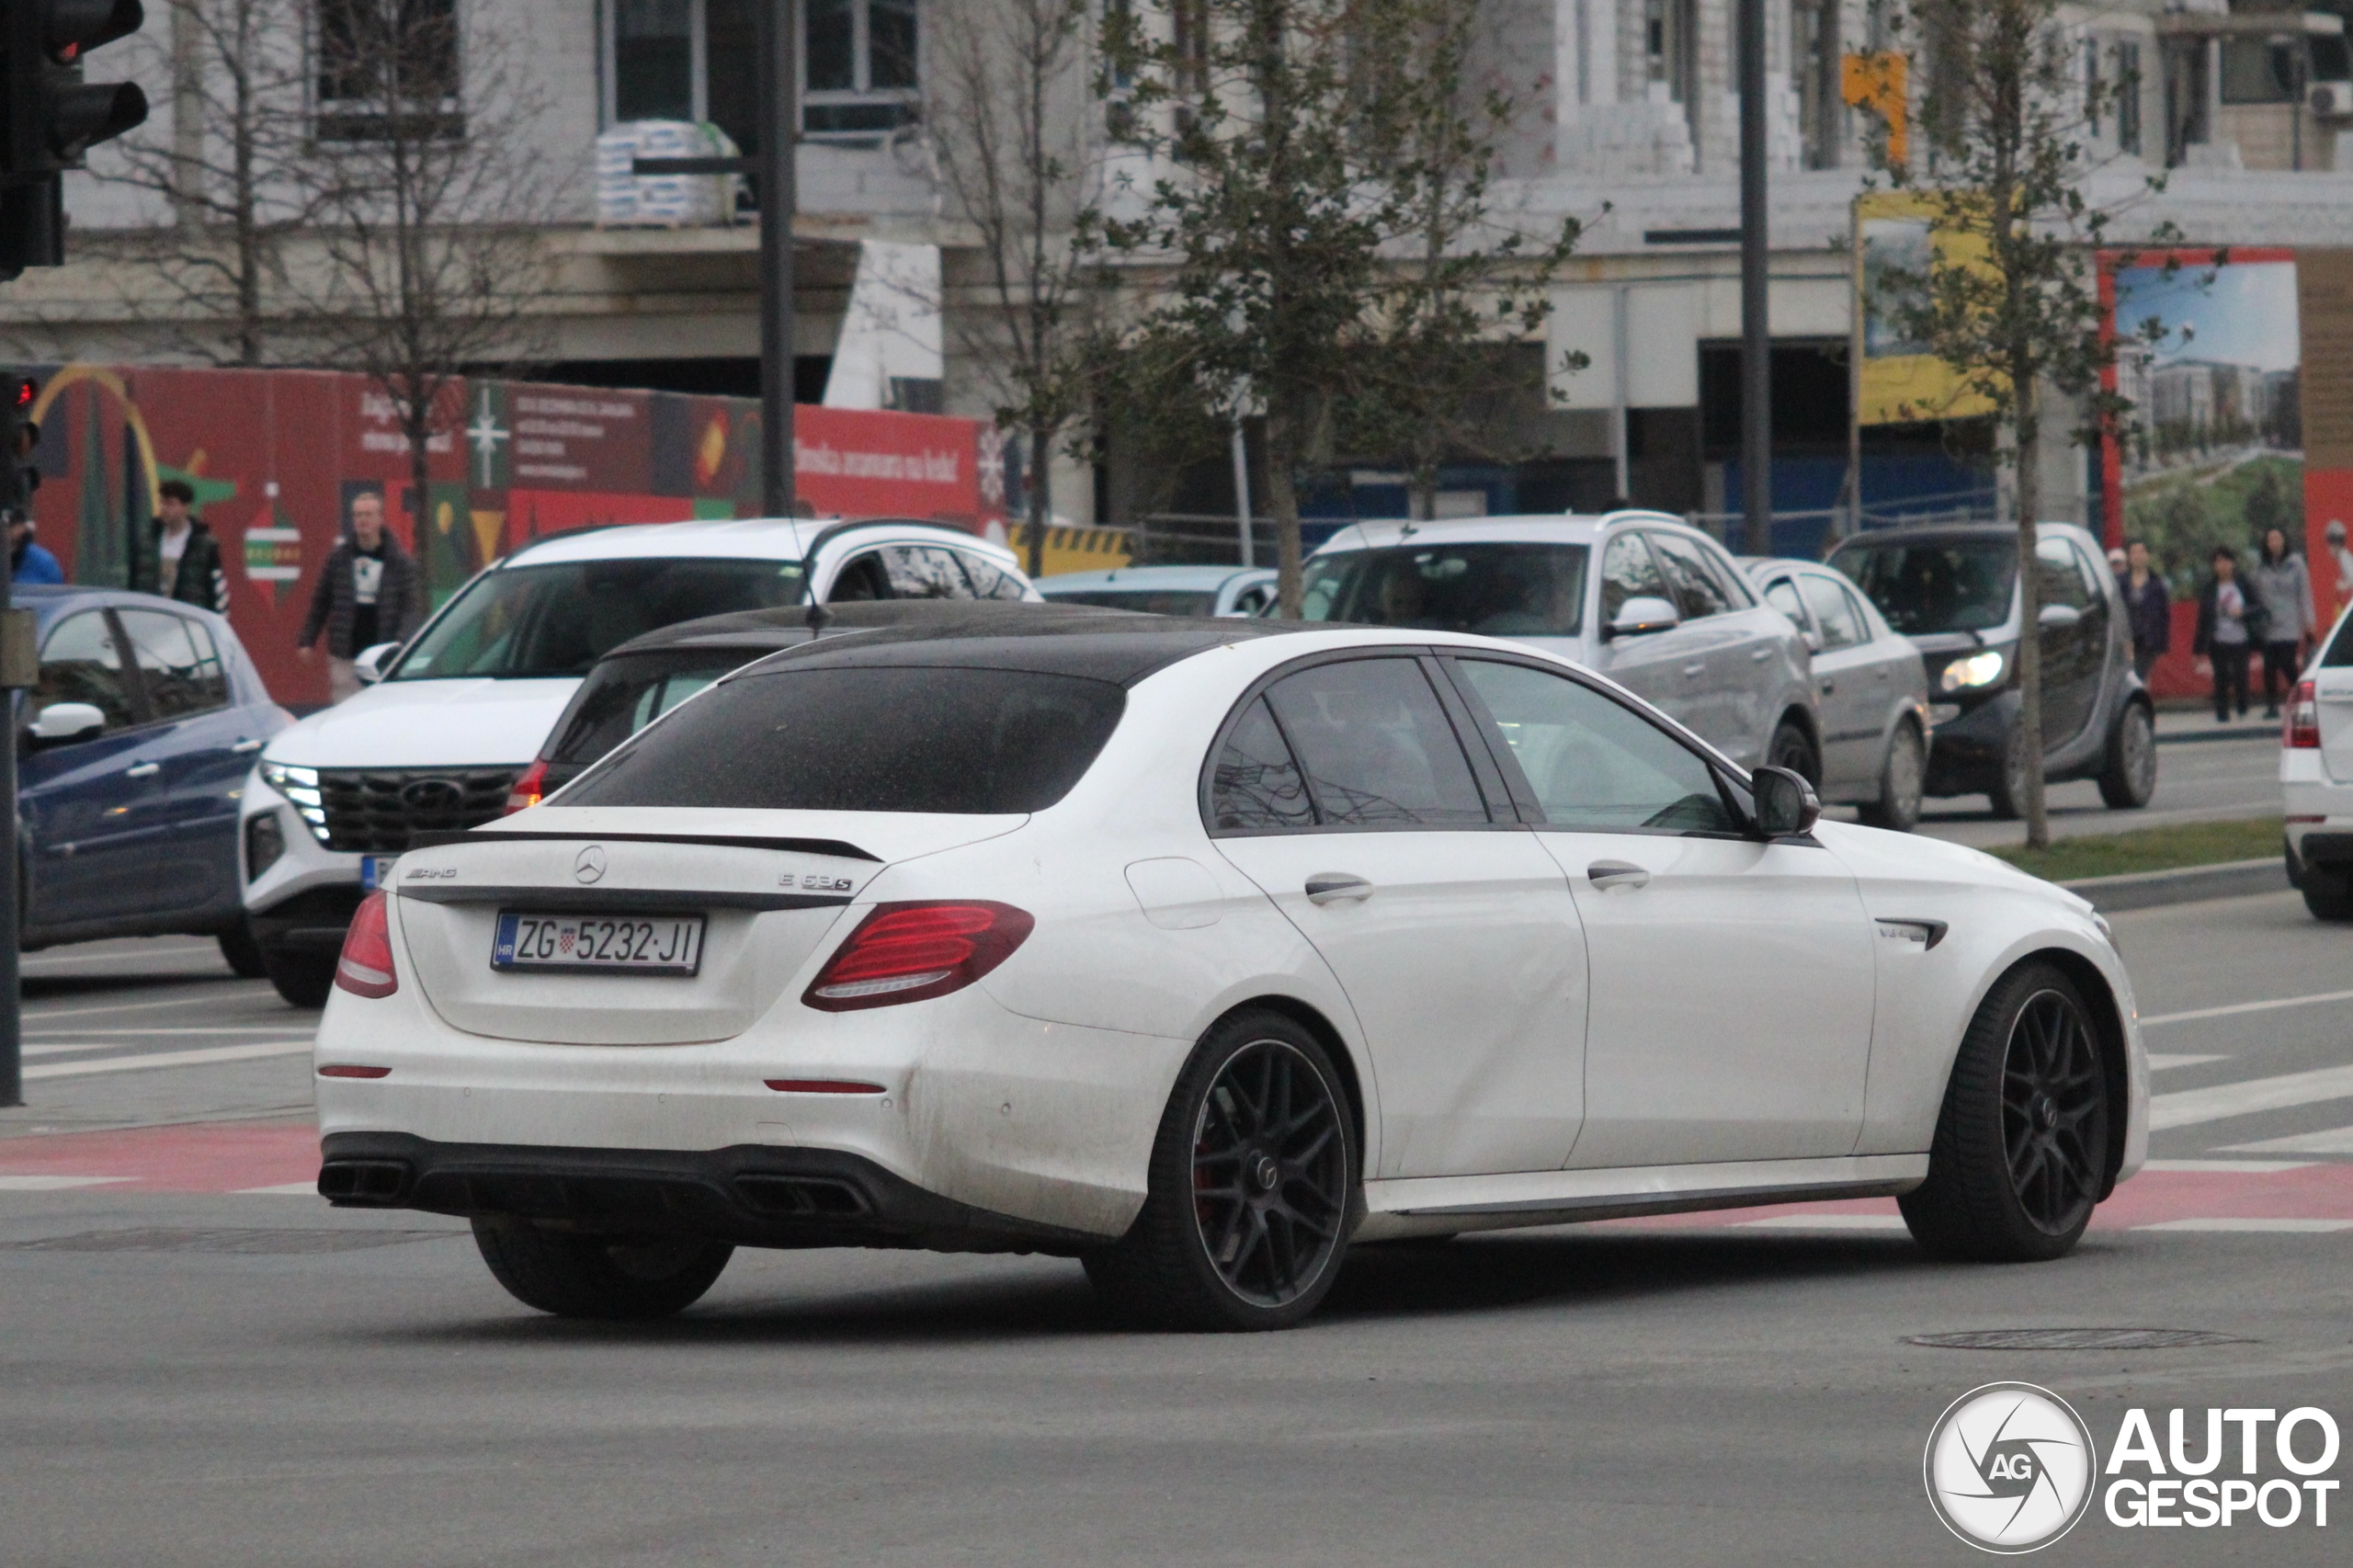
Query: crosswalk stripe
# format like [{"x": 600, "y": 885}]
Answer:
[
  {"x": 1827, "y": 1223},
  {"x": 34, "y": 1016},
  {"x": 2187, "y": 1107},
  {"x": 2254, "y": 1227},
  {"x": 212, "y": 1028},
  {"x": 168, "y": 1058},
  {"x": 2237, "y": 1007},
  {"x": 2335, "y": 1141},
  {"x": 2227, "y": 1167},
  {"x": 2159, "y": 1060},
  {"x": 54, "y": 1183},
  {"x": 288, "y": 1190},
  {"x": 67, "y": 1047}
]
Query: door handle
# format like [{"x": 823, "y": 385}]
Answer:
[
  {"x": 1879, "y": 671},
  {"x": 1330, "y": 887},
  {"x": 1607, "y": 874},
  {"x": 242, "y": 747},
  {"x": 1758, "y": 655},
  {"x": 1828, "y": 687},
  {"x": 1694, "y": 672},
  {"x": 142, "y": 770}
]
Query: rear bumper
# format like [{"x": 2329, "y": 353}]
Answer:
[{"x": 750, "y": 1195}]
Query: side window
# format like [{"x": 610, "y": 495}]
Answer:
[
  {"x": 177, "y": 662},
  {"x": 1841, "y": 627},
  {"x": 1257, "y": 787},
  {"x": 2095, "y": 590},
  {"x": 988, "y": 582},
  {"x": 1739, "y": 592},
  {"x": 1629, "y": 573},
  {"x": 1376, "y": 746},
  {"x": 2059, "y": 576},
  {"x": 1592, "y": 764},
  {"x": 1782, "y": 594},
  {"x": 924, "y": 572},
  {"x": 861, "y": 577},
  {"x": 80, "y": 663},
  {"x": 1697, "y": 595}
]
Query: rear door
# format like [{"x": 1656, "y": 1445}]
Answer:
[
  {"x": 2075, "y": 638},
  {"x": 205, "y": 747},
  {"x": 1851, "y": 681},
  {"x": 1344, "y": 792}
]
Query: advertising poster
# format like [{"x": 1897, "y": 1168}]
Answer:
[
  {"x": 2212, "y": 453},
  {"x": 1896, "y": 380},
  {"x": 2324, "y": 301},
  {"x": 277, "y": 457}
]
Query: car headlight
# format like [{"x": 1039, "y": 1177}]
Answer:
[
  {"x": 301, "y": 786},
  {"x": 1973, "y": 672}
]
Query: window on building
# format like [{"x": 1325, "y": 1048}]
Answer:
[
  {"x": 1671, "y": 53},
  {"x": 2187, "y": 122},
  {"x": 386, "y": 65},
  {"x": 2092, "y": 104},
  {"x": 1814, "y": 65},
  {"x": 2128, "y": 96},
  {"x": 699, "y": 59},
  {"x": 2258, "y": 71}
]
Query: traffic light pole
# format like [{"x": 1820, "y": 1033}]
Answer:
[
  {"x": 12, "y": 1021},
  {"x": 1756, "y": 331},
  {"x": 780, "y": 140}
]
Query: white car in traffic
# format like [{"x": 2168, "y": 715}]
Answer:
[
  {"x": 2316, "y": 776},
  {"x": 1199, "y": 950},
  {"x": 450, "y": 721}
]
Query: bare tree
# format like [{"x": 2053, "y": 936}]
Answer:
[
  {"x": 430, "y": 190},
  {"x": 1019, "y": 156}
]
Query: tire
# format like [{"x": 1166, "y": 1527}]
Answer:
[
  {"x": 1902, "y": 778},
  {"x": 303, "y": 980},
  {"x": 2007, "y": 790},
  {"x": 1256, "y": 1148},
  {"x": 1793, "y": 748},
  {"x": 2328, "y": 894},
  {"x": 614, "y": 1278},
  {"x": 2021, "y": 1146},
  {"x": 2131, "y": 776},
  {"x": 243, "y": 953}
]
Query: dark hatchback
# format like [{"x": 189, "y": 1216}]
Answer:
[
  {"x": 648, "y": 675},
  {"x": 132, "y": 756},
  {"x": 1954, "y": 592}
]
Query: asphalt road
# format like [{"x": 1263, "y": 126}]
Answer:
[{"x": 196, "y": 1372}]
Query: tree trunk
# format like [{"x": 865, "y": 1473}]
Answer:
[
  {"x": 1041, "y": 497},
  {"x": 1282, "y": 463},
  {"x": 420, "y": 474},
  {"x": 2030, "y": 505}
]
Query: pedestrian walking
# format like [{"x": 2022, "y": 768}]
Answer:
[
  {"x": 28, "y": 559},
  {"x": 188, "y": 558},
  {"x": 368, "y": 593},
  {"x": 2148, "y": 608},
  {"x": 2281, "y": 584},
  {"x": 2229, "y": 628}
]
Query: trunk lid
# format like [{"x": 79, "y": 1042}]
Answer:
[
  {"x": 770, "y": 886},
  {"x": 2333, "y": 686}
]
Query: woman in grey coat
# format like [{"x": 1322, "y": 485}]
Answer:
[{"x": 2284, "y": 590}]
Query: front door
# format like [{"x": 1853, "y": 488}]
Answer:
[
  {"x": 1345, "y": 794},
  {"x": 1732, "y": 977},
  {"x": 92, "y": 808},
  {"x": 1668, "y": 669},
  {"x": 204, "y": 747}
]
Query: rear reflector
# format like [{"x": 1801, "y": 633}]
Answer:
[
  {"x": 2300, "y": 730},
  {"x": 366, "y": 967},
  {"x": 909, "y": 953},
  {"x": 822, "y": 1087},
  {"x": 350, "y": 1069}
]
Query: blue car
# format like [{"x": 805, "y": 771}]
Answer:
[{"x": 132, "y": 754}]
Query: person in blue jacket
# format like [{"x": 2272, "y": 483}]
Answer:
[{"x": 28, "y": 561}]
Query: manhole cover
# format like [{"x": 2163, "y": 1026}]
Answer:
[
  {"x": 224, "y": 1240},
  {"x": 2074, "y": 1339}
]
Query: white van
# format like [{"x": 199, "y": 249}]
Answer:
[{"x": 452, "y": 718}]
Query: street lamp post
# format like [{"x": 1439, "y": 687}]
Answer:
[{"x": 1755, "y": 331}]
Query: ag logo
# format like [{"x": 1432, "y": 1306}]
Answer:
[{"x": 2010, "y": 1468}]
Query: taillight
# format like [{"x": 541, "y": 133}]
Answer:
[
  {"x": 907, "y": 952},
  {"x": 2300, "y": 729},
  {"x": 528, "y": 790},
  {"x": 366, "y": 967}
]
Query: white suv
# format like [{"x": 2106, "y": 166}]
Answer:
[
  {"x": 451, "y": 719},
  {"x": 2316, "y": 776}
]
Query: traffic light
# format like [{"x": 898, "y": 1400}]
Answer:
[
  {"x": 49, "y": 117},
  {"x": 19, "y": 475}
]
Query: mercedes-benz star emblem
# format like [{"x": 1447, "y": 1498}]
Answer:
[{"x": 588, "y": 866}]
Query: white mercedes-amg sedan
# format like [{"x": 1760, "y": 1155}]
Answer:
[{"x": 1198, "y": 951}]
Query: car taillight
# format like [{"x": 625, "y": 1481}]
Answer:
[
  {"x": 907, "y": 952},
  {"x": 526, "y": 792},
  {"x": 366, "y": 967},
  {"x": 2300, "y": 729}
]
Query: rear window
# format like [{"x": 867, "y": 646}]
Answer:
[
  {"x": 625, "y": 695},
  {"x": 963, "y": 742},
  {"x": 1497, "y": 590},
  {"x": 2340, "y": 650}
]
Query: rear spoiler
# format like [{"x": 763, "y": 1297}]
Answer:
[{"x": 443, "y": 838}]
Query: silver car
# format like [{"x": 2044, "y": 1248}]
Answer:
[
  {"x": 1648, "y": 601},
  {"x": 1870, "y": 687},
  {"x": 1218, "y": 591}
]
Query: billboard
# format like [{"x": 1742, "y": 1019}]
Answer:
[
  {"x": 275, "y": 458},
  {"x": 1897, "y": 380}
]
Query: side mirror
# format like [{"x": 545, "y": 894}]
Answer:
[
  {"x": 1640, "y": 615},
  {"x": 67, "y": 721},
  {"x": 2058, "y": 617},
  {"x": 370, "y": 665},
  {"x": 1786, "y": 804}
]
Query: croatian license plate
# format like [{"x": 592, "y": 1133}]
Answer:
[
  {"x": 616, "y": 944},
  {"x": 375, "y": 870}
]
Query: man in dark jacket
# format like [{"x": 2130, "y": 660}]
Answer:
[
  {"x": 188, "y": 558},
  {"x": 2148, "y": 608},
  {"x": 367, "y": 593}
]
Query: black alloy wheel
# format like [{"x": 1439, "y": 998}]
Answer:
[
  {"x": 2054, "y": 1113},
  {"x": 2021, "y": 1148},
  {"x": 1252, "y": 1186}
]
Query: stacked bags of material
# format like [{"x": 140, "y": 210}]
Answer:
[{"x": 628, "y": 199}]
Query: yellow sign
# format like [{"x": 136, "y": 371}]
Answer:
[
  {"x": 1073, "y": 550},
  {"x": 1896, "y": 380}
]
